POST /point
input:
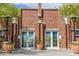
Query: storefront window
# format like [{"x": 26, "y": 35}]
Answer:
[
  {"x": 77, "y": 32},
  {"x": 27, "y": 39},
  {"x": 48, "y": 39},
  {"x": 1, "y": 33},
  {"x": 54, "y": 39}
]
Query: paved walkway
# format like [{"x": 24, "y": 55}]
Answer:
[{"x": 51, "y": 52}]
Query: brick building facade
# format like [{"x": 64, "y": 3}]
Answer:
[
  {"x": 45, "y": 26},
  {"x": 52, "y": 25},
  {"x": 48, "y": 26}
]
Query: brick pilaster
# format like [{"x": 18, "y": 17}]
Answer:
[
  {"x": 37, "y": 34},
  {"x": 42, "y": 35},
  {"x": 14, "y": 35}
]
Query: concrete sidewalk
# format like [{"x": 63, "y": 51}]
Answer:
[{"x": 31, "y": 52}]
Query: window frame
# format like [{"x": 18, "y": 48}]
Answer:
[{"x": 76, "y": 33}]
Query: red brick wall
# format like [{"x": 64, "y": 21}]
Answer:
[
  {"x": 54, "y": 20},
  {"x": 29, "y": 17},
  {"x": 51, "y": 17}
]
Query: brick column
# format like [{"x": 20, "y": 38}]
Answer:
[
  {"x": 42, "y": 35},
  {"x": 6, "y": 25},
  {"x": 39, "y": 29},
  {"x": 18, "y": 30},
  {"x": 37, "y": 34},
  {"x": 14, "y": 35}
]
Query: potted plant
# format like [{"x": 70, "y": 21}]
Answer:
[
  {"x": 75, "y": 46},
  {"x": 7, "y": 46}
]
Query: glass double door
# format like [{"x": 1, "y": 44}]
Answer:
[
  {"x": 28, "y": 39},
  {"x": 51, "y": 39}
]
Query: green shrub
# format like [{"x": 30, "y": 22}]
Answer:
[
  {"x": 7, "y": 42},
  {"x": 75, "y": 42},
  {"x": 1, "y": 40}
]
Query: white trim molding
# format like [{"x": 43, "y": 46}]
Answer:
[
  {"x": 28, "y": 29},
  {"x": 52, "y": 29}
]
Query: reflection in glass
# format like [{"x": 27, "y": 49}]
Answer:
[
  {"x": 27, "y": 39},
  {"x": 54, "y": 39},
  {"x": 48, "y": 39},
  {"x": 51, "y": 39},
  {"x": 24, "y": 39},
  {"x": 30, "y": 41}
]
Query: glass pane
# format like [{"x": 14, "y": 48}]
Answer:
[
  {"x": 77, "y": 33},
  {"x": 31, "y": 39},
  {"x": 54, "y": 39},
  {"x": 24, "y": 39},
  {"x": 48, "y": 39},
  {"x": 27, "y": 39},
  {"x": 1, "y": 33}
]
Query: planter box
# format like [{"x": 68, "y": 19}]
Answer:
[
  {"x": 75, "y": 47},
  {"x": 39, "y": 46},
  {"x": 7, "y": 47}
]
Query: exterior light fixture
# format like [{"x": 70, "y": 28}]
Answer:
[
  {"x": 6, "y": 19},
  {"x": 14, "y": 20},
  {"x": 73, "y": 18},
  {"x": 65, "y": 20},
  {"x": 14, "y": 31}
]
